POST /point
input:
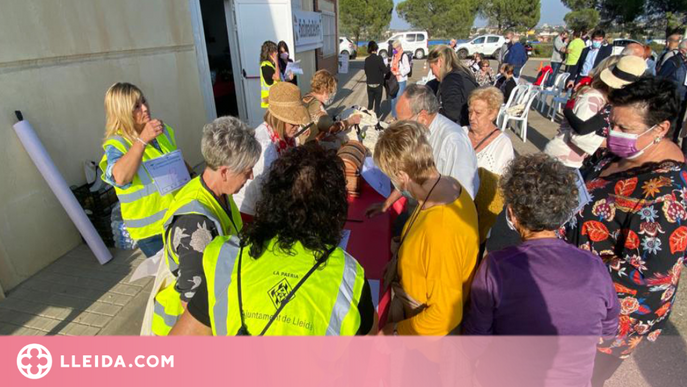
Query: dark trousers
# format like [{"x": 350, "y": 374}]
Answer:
[
  {"x": 555, "y": 67},
  {"x": 374, "y": 98},
  {"x": 605, "y": 366}
]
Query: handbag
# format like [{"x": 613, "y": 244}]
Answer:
[{"x": 391, "y": 85}]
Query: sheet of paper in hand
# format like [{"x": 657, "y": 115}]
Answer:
[
  {"x": 294, "y": 67},
  {"x": 582, "y": 193},
  {"x": 168, "y": 172},
  {"x": 376, "y": 178}
]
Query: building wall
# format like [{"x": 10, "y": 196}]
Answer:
[
  {"x": 308, "y": 58},
  {"x": 329, "y": 62},
  {"x": 57, "y": 60}
]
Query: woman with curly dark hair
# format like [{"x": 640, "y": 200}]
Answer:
[
  {"x": 543, "y": 286},
  {"x": 269, "y": 70},
  {"x": 636, "y": 219},
  {"x": 286, "y": 276}
]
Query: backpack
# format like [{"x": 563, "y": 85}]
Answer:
[{"x": 410, "y": 61}]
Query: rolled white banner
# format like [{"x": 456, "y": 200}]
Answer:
[{"x": 59, "y": 187}]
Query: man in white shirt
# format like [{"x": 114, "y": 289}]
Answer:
[{"x": 453, "y": 153}]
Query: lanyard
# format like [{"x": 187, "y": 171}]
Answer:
[{"x": 485, "y": 139}]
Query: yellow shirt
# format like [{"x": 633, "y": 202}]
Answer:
[{"x": 436, "y": 263}]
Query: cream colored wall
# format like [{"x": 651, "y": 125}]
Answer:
[
  {"x": 57, "y": 60},
  {"x": 307, "y": 58}
]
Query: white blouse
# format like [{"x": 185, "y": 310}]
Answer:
[{"x": 495, "y": 156}]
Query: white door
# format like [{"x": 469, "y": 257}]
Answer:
[{"x": 255, "y": 22}]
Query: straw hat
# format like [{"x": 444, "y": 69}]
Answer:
[
  {"x": 285, "y": 104},
  {"x": 627, "y": 70}
]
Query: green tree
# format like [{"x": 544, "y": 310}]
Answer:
[
  {"x": 367, "y": 18},
  {"x": 446, "y": 18},
  {"x": 577, "y": 5},
  {"x": 582, "y": 20},
  {"x": 511, "y": 14}
]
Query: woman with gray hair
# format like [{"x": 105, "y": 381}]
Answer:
[
  {"x": 543, "y": 286},
  {"x": 203, "y": 210}
]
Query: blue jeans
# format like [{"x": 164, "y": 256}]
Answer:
[
  {"x": 401, "y": 87},
  {"x": 555, "y": 67},
  {"x": 150, "y": 246}
]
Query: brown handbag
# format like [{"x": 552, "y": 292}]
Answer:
[{"x": 353, "y": 155}]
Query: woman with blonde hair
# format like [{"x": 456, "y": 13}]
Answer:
[
  {"x": 284, "y": 118},
  {"x": 322, "y": 92},
  {"x": 456, "y": 83},
  {"x": 430, "y": 275},
  {"x": 131, "y": 138},
  {"x": 400, "y": 68}
]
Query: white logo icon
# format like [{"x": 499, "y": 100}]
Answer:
[{"x": 34, "y": 361}]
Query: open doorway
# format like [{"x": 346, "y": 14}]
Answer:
[{"x": 219, "y": 57}]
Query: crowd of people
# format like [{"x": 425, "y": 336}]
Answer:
[{"x": 489, "y": 243}]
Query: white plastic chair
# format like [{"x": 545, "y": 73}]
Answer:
[
  {"x": 555, "y": 90},
  {"x": 521, "y": 116},
  {"x": 515, "y": 98},
  {"x": 556, "y": 103}
]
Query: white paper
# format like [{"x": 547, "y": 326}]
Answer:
[
  {"x": 582, "y": 194},
  {"x": 294, "y": 67},
  {"x": 374, "y": 289},
  {"x": 376, "y": 178},
  {"x": 343, "y": 64},
  {"x": 147, "y": 268},
  {"x": 34, "y": 147},
  {"x": 344, "y": 239},
  {"x": 168, "y": 172}
]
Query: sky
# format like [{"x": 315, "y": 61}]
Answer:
[{"x": 552, "y": 12}]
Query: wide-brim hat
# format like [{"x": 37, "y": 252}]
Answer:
[
  {"x": 626, "y": 71},
  {"x": 286, "y": 105}
]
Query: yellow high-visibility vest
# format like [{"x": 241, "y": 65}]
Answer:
[
  {"x": 142, "y": 205},
  {"x": 195, "y": 199},
  {"x": 264, "y": 87},
  {"x": 326, "y": 303}
]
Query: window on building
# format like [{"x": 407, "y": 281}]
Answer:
[{"x": 329, "y": 46}]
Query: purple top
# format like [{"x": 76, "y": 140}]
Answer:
[{"x": 542, "y": 287}]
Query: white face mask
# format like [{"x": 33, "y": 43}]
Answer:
[{"x": 329, "y": 100}]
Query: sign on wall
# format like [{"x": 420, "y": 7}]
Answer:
[{"x": 307, "y": 30}]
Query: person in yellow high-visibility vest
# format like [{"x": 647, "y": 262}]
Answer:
[
  {"x": 131, "y": 138},
  {"x": 203, "y": 210},
  {"x": 269, "y": 71},
  {"x": 287, "y": 275}
]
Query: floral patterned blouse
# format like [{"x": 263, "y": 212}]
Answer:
[{"x": 634, "y": 222}]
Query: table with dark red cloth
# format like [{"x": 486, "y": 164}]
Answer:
[{"x": 371, "y": 237}]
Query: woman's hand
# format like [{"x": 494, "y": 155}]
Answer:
[
  {"x": 376, "y": 209},
  {"x": 354, "y": 119},
  {"x": 290, "y": 76},
  {"x": 151, "y": 130}
]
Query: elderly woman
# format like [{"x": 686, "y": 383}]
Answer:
[
  {"x": 508, "y": 83},
  {"x": 131, "y": 138},
  {"x": 544, "y": 286},
  {"x": 284, "y": 118},
  {"x": 586, "y": 125},
  {"x": 322, "y": 92},
  {"x": 485, "y": 75},
  {"x": 400, "y": 68},
  {"x": 203, "y": 210},
  {"x": 287, "y": 276},
  {"x": 456, "y": 83},
  {"x": 270, "y": 73},
  {"x": 431, "y": 274},
  {"x": 634, "y": 219},
  {"x": 493, "y": 149}
]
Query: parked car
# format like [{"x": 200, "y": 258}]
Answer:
[
  {"x": 415, "y": 42},
  {"x": 487, "y": 45},
  {"x": 347, "y": 47}
]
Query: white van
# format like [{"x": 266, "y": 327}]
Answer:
[{"x": 412, "y": 41}]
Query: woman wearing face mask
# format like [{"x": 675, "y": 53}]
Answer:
[
  {"x": 399, "y": 67},
  {"x": 284, "y": 60},
  {"x": 285, "y": 116},
  {"x": 431, "y": 274},
  {"x": 635, "y": 221},
  {"x": 321, "y": 95}
]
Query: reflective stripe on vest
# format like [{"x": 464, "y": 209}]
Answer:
[
  {"x": 264, "y": 87},
  {"x": 333, "y": 291},
  {"x": 143, "y": 208},
  {"x": 160, "y": 311}
]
